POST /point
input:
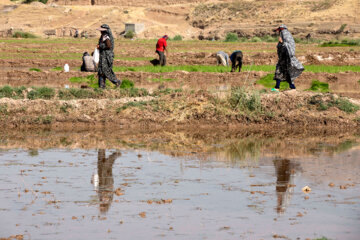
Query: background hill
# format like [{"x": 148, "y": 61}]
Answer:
[{"x": 192, "y": 19}]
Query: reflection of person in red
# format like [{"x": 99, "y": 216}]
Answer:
[
  {"x": 161, "y": 46},
  {"x": 283, "y": 170},
  {"x": 106, "y": 180}
]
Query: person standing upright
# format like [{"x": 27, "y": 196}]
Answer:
[
  {"x": 161, "y": 46},
  {"x": 106, "y": 49},
  {"x": 288, "y": 67}
]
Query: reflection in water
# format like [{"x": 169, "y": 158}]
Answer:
[
  {"x": 106, "y": 180},
  {"x": 284, "y": 189}
]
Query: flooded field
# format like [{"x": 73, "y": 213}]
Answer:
[{"x": 56, "y": 185}]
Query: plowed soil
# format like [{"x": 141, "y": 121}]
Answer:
[{"x": 194, "y": 105}]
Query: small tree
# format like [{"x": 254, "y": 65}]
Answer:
[
  {"x": 231, "y": 37},
  {"x": 177, "y": 38},
  {"x": 129, "y": 34}
]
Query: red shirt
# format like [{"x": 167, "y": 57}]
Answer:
[{"x": 161, "y": 45}]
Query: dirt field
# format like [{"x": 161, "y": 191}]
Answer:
[{"x": 196, "y": 103}]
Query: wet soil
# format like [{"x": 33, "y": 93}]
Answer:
[{"x": 179, "y": 184}]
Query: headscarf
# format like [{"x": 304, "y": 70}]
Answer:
[{"x": 109, "y": 33}]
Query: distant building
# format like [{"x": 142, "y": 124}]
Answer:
[{"x": 135, "y": 27}]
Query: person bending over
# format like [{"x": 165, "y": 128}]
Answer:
[
  {"x": 161, "y": 46},
  {"x": 236, "y": 60}
]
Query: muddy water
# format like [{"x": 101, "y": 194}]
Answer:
[{"x": 245, "y": 188}]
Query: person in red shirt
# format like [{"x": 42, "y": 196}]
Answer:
[{"x": 161, "y": 46}]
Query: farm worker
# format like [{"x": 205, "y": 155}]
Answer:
[
  {"x": 236, "y": 60},
  {"x": 161, "y": 46},
  {"x": 288, "y": 67},
  {"x": 88, "y": 64},
  {"x": 222, "y": 58},
  {"x": 106, "y": 49}
]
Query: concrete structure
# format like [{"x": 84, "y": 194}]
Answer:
[{"x": 135, "y": 27}]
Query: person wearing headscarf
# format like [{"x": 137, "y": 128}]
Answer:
[
  {"x": 106, "y": 49},
  {"x": 222, "y": 58},
  {"x": 161, "y": 46},
  {"x": 288, "y": 67}
]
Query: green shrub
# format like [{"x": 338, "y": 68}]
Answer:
[
  {"x": 346, "y": 106},
  {"x": 177, "y": 38},
  {"x": 9, "y": 92},
  {"x": 42, "y": 92},
  {"x": 341, "y": 103},
  {"x": 231, "y": 37},
  {"x": 255, "y": 39},
  {"x": 20, "y": 34},
  {"x": 129, "y": 35},
  {"x": 30, "y": 1},
  {"x": 35, "y": 70},
  {"x": 245, "y": 101},
  {"x": 317, "y": 86},
  {"x": 126, "y": 84},
  {"x": 76, "y": 93}
]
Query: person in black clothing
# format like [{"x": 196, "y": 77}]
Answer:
[{"x": 236, "y": 60}]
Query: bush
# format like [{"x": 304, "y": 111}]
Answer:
[
  {"x": 231, "y": 37},
  {"x": 129, "y": 35},
  {"x": 177, "y": 38},
  {"x": 19, "y": 34},
  {"x": 245, "y": 101},
  {"x": 30, "y": 1},
  {"x": 42, "y": 92},
  {"x": 35, "y": 70},
  {"x": 9, "y": 92}
]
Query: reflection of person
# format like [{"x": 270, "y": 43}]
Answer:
[
  {"x": 288, "y": 67},
  {"x": 161, "y": 46},
  {"x": 106, "y": 180},
  {"x": 236, "y": 60},
  {"x": 106, "y": 49},
  {"x": 88, "y": 64},
  {"x": 222, "y": 58},
  {"x": 283, "y": 168}
]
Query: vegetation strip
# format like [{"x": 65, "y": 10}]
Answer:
[{"x": 221, "y": 69}]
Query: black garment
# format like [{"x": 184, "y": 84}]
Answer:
[
  {"x": 282, "y": 69},
  {"x": 102, "y": 84},
  {"x": 236, "y": 60},
  {"x": 162, "y": 58},
  {"x": 106, "y": 49}
]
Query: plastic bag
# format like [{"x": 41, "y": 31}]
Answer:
[
  {"x": 96, "y": 56},
  {"x": 66, "y": 68}
]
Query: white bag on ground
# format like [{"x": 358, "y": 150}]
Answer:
[
  {"x": 66, "y": 68},
  {"x": 96, "y": 56}
]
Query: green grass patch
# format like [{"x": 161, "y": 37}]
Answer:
[
  {"x": 341, "y": 103},
  {"x": 317, "y": 86},
  {"x": 126, "y": 83},
  {"x": 269, "y": 82},
  {"x": 78, "y": 93},
  {"x": 20, "y": 34},
  {"x": 89, "y": 80},
  {"x": 41, "y": 92},
  {"x": 140, "y": 104},
  {"x": 56, "y": 69},
  {"x": 161, "y": 79},
  {"x": 35, "y": 70},
  {"x": 342, "y": 43},
  {"x": 12, "y": 92},
  {"x": 221, "y": 69}
]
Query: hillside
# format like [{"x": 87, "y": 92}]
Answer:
[{"x": 191, "y": 19}]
